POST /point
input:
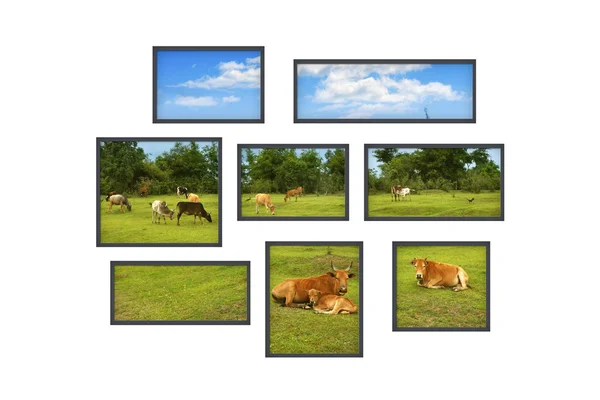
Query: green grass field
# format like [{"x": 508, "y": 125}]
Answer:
[
  {"x": 308, "y": 206},
  {"x": 137, "y": 227},
  {"x": 425, "y": 308},
  {"x": 435, "y": 203},
  {"x": 180, "y": 293},
  {"x": 299, "y": 331}
]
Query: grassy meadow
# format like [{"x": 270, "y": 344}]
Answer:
[
  {"x": 419, "y": 307},
  {"x": 180, "y": 293},
  {"x": 299, "y": 331},
  {"x": 136, "y": 226},
  {"x": 308, "y": 205},
  {"x": 436, "y": 203}
]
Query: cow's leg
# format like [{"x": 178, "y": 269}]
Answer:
[
  {"x": 178, "y": 215},
  {"x": 110, "y": 207},
  {"x": 195, "y": 219},
  {"x": 462, "y": 282},
  {"x": 257, "y": 208},
  {"x": 289, "y": 298}
]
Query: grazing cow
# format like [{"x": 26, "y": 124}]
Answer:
[
  {"x": 118, "y": 199},
  {"x": 436, "y": 275},
  {"x": 294, "y": 292},
  {"x": 265, "y": 199},
  {"x": 396, "y": 192},
  {"x": 330, "y": 303},
  {"x": 291, "y": 193},
  {"x": 300, "y": 190},
  {"x": 405, "y": 192},
  {"x": 159, "y": 208},
  {"x": 470, "y": 200},
  {"x": 191, "y": 208},
  {"x": 182, "y": 190},
  {"x": 193, "y": 198}
]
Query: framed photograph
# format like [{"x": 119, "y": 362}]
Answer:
[
  {"x": 434, "y": 182},
  {"x": 441, "y": 286},
  {"x": 297, "y": 182},
  {"x": 388, "y": 91},
  {"x": 180, "y": 293},
  {"x": 314, "y": 293},
  {"x": 158, "y": 192},
  {"x": 208, "y": 84}
]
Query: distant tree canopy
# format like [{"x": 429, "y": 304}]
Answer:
[
  {"x": 277, "y": 170},
  {"x": 436, "y": 168},
  {"x": 125, "y": 168}
]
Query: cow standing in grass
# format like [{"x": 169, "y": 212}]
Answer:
[
  {"x": 118, "y": 199},
  {"x": 436, "y": 275},
  {"x": 405, "y": 192},
  {"x": 291, "y": 193},
  {"x": 263, "y": 199},
  {"x": 294, "y": 292},
  {"x": 193, "y": 198},
  {"x": 195, "y": 209},
  {"x": 330, "y": 303},
  {"x": 159, "y": 208},
  {"x": 396, "y": 189},
  {"x": 300, "y": 191},
  {"x": 182, "y": 190}
]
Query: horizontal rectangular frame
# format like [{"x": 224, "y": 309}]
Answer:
[
  {"x": 395, "y": 328},
  {"x": 382, "y": 120},
  {"x": 268, "y": 246},
  {"x": 114, "y": 264},
  {"x": 346, "y": 148},
  {"x": 437, "y": 146},
  {"x": 219, "y": 140},
  {"x": 155, "y": 118}
]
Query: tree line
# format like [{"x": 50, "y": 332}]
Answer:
[
  {"x": 435, "y": 168},
  {"x": 126, "y": 168},
  {"x": 277, "y": 170}
]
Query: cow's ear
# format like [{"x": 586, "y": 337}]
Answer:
[
  {"x": 351, "y": 275},
  {"x": 330, "y": 273},
  {"x": 318, "y": 292},
  {"x": 426, "y": 262},
  {"x": 414, "y": 260}
]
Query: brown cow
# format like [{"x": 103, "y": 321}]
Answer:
[
  {"x": 291, "y": 193},
  {"x": 294, "y": 292},
  {"x": 330, "y": 303},
  {"x": 300, "y": 190},
  {"x": 265, "y": 199},
  {"x": 436, "y": 275},
  {"x": 396, "y": 189},
  {"x": 193, "y": 198}
]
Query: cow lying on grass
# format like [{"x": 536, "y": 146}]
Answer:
[
  {"x": 329, "y": 303},
  {"x": 436, "y": 275},
  {"x": 195, "y": 209},
  {"x": 118, "y": 199},
  {"x": 294, "y": 292},
  {"x": 159, "y": 208}
]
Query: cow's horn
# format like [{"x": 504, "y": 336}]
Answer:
[
  {"x": 348, "y": 269},
  {"x": 334, "y": 268}
]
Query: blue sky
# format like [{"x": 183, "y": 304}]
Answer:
[
  {"x": 208, "y": 84},
  {"x": 154, "y": 149},
  {"x": 392, "y": 91},
  {"x": 494, "y": 154},
  {"x": 299, "y": 151}
]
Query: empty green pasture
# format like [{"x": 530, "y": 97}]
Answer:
[
  {"x": 136, "y": 226},
  {"x": 180, "y": 293},
  {"x": 299, "y": 331},
  {"x": 419, "y": 307}
]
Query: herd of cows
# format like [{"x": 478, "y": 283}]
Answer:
[
  {"x": 263, "y": 199},
  {"x": 160, "y": 208}
]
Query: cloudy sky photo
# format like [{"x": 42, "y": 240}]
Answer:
[
  {"x": 391, "y": 91},
  {"x": 208, "y": 84}
]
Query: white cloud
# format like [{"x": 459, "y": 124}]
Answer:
[
  {"x": 233, "y": 75},
  {"x": 231, "y": 99},
  {"x": 190, "y": 101},
  {"x": 255, "y": 60},
  {"x": 358, "y": 70},
  {"x": 168, "y": 102}
]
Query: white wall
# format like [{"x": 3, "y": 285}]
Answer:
[{"x": 73, "y": 72}]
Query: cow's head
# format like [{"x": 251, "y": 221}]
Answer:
[
  {"x": 420, "y": 266},
  {"x": 313, "y": 296},
  {"x": 342, "y": 276},
  {"x": 272, "y": 208},
  {"x": 208, "y": 217},
  {"x": 128, "y": 207}
]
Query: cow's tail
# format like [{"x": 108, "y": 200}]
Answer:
[{"x": 277, "y": 299}]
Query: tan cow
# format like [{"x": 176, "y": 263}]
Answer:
[
  {"x": 330, "y": 303},
  {"x": 291, "y": 193},
  {"x": 436, "y": 275},
  {"x": 294, "y": 292},
  {"x": 263, "y": 199},
  {"x": 300, "y": 190},
  {"x": 193, "y": 198},
  {"x": 118, "y": 199}
]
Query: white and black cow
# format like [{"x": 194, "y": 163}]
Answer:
[{"x": 182, "y": 190}]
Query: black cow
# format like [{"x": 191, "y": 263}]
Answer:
[
  {"x": 191, "y": 208},
  {"x": 182, "y": 190}
]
